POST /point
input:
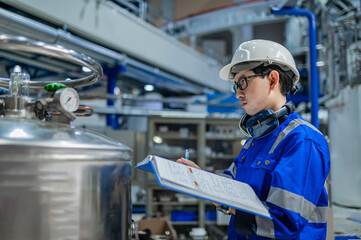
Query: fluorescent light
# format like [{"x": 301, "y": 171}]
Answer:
[
  {"x": 320, "y": 64},
  {"x": 157, "y": 139},
  {"x": 116, "y": 91},
  {"x": 18, "y": 133},
  {"x": 85, "y": 69},
  {"x": 148, "y": 87}
]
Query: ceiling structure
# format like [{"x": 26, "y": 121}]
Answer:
[
  {"x": 160, "y": 60},
  {"x": 114, "y": 37}
]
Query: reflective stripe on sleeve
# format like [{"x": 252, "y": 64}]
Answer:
[
  {"x": 291, "y": 126},
  {"x": 297, "y": 204},
  {"x": 319, "y": 215},
  {"x": 265, "y": 227}
]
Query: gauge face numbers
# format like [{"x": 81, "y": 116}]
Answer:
[{"x": 68, "y": 99}]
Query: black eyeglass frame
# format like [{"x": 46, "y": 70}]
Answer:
[{"x": 242, "y": 83}]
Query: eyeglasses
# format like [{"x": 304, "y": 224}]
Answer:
[{"x": 242, "y": 82}]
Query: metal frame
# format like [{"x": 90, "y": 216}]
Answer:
[{"x": 220, "y": 19}]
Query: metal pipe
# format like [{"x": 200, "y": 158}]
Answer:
[
  {"x": 313, "y": 55},
  {"x": 26, "y": 45}
]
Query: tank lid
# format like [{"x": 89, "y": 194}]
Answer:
[{"x": 37, "y": 135}]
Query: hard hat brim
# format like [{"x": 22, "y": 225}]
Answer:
[{"x": 243, "y": 66}]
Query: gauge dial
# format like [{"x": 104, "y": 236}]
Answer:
[{"x": 68, "y": 99}]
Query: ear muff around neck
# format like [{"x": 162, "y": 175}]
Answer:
[
  {"x": 264, "y": 122},
  {"x": 242, "y": 125}
]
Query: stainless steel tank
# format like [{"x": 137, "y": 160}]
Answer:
[{"x": 59, "y": 182}]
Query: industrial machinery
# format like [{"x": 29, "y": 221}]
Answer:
[
  {"x": 58, "y": 182},
  {"x": 343, "y": 50}
]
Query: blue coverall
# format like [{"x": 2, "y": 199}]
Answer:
[{"x": 287, "y": 170}]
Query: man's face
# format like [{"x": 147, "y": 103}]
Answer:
[{"x": 254, "y": 98}]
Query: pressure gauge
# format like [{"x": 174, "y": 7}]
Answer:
[{"x": 67, "y": 99}]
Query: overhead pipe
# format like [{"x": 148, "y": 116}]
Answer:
[{"x": 313, "y": 55}]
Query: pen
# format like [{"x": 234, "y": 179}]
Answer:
[{"x": 186, "y": 154}]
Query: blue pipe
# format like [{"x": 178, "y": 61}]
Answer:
[
  {"x": 313, "y": 55},
  {"x": 112, "y": 73}
]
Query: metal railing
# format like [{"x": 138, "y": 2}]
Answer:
[{"x": 143, "y": 10}]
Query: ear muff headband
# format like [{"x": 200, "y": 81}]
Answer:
[
  {"x": 242, "y": 125},
  {"x": 264, "y": 122}
]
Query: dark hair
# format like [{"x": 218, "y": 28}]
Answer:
[{"x": 286, "y": 81}]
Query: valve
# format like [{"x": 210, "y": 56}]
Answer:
[{"x": 62, "y": 99}]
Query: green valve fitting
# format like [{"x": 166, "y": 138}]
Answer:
[{"x": 52, "y": 87}]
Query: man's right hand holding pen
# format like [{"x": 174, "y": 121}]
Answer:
[{"x": 186, "y": 160}]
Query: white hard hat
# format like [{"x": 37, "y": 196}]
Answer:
[{"x": 254, "y": 53}]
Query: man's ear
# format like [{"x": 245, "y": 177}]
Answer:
[{"x": 274, "y": 78}]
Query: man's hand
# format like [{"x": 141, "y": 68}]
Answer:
[
  {"x": 188, "y": 162},
  {"x": 233, "y": 211}
]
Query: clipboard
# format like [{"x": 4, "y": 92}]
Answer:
[{"x": 205, "y": 185}]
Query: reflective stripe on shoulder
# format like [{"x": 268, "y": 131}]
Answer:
[
  {"x": 298, "y": 204},
  {"x": 291, "y": 126},
  {"x": 246, "y": 146}
]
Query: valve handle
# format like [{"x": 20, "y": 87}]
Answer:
[
  {"x": 8, "y": 42},
  {"x": 52, "y": 87}
]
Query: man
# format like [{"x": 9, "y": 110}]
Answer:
[{"x": 285, "y": 159}]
